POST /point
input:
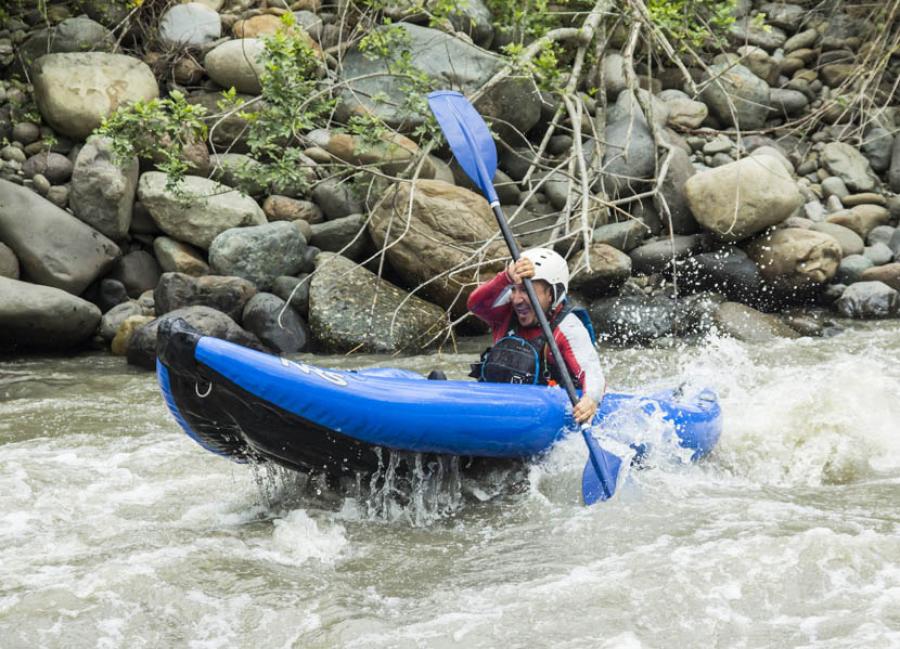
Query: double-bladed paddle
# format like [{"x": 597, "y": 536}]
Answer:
[{"x": 474, "y": 150}]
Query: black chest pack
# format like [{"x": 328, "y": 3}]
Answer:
[{"x": 514, "y": 359}]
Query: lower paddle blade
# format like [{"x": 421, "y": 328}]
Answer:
[{"x": 601, "y": 472}]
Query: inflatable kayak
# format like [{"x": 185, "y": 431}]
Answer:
[{"x": 252, "y": 406}]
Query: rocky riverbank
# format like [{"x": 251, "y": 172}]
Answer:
[{"x": 775, "y": 214}]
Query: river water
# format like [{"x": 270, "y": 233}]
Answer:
[{"x": 117, "y": 530}]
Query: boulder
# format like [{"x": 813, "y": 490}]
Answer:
[
  {"x": 55, "y": 167},
  {"x": 851, "y": 268},
  {"x": 869, "y": 300},
  {"x": 749, "y": 325},
  {"x": 673, "y": 190},
  {"x": 624, "y": 236},
  {"x": 112, "y": 320},
  {"x": 865, "y": 198},
  {"x": 259, "y": 253},
  {"x": 894, "y": 171},
  {"x": 834, "y": 186},
  {"x": 737, "y": 88},
  {"x": 226, "y": 294},
  {"x": 103, "y": 189},
  {"x": 889, "y": 274},
  {"x": 199, "y": 210},
  {"x": 629, "y": 158},
  {"x": 729, "y": 272},
  {"x": 613, "y": 74},
  {"x": 336, "y": 198},
  {"x": 784, "y": 16},
  {"x": 657, "y": 256},
  {"x": 684, "y": 112},
  {"x": 862, "y": 219},
  {"x": 9, "y": 263},
  {"x": 746, "y": 31},
  {"x": 609, "y": 268},
  {"x": 122, "y": 338},
  {"x": 850, "y": 242},
  {"x": 793, "y": 259},
  {"x": 53, "y": 247},
  {"x": 877, "y": 148},
  {"x": 881, "y": 234},
  {"x": 346, "y": 235},
  {"x": 80, "y": 34},
  {"x": 176, "y": 257},
  {"x": 108, "y": 294},
  {"x": 787, "y": 102},
  {"x": 391, "y": 153},
  {"x": 879, "y": 254},
  {"x": 449, "y": 62},
  {"x": 42, "y": 317},
  {"x": 437, "y": 234},
  {"x": 741, "y": 198},
  {"x": 237, "y": 64},
  {"x": 351, "y": 308},
  {"x": 634, "y": 319},
  {"x": 284, "y": 208},
  {"x": 138, "y": 271},
  {"x": 142, "y": 345},
  {"x": 75, "y": 91},
  {"x": 278, "y": 326},
  {"x": 849, "y": 165},
  {"x": 189, "y": 25},
  {"x": 295, "y": 291}
]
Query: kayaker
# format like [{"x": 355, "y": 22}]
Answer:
[{"x": 520, "y": 353}]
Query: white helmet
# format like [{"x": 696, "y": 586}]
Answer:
[{"x": 552, "y": 268}]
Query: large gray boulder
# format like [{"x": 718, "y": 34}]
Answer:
[
  {"x": 842, "y": 160},
  {"x": 192, "y": 24},
  {"x": 673, "y": 191},
  {"x": 259, "y": 253},
  {"x": 747, "y": 324},
  {"x": 729, "y": 272},
  {"x": 634, "y": 319},
  {"x": 435, "y": 235},
  {"x": 53, "y": 247},
  {"x": 41, "y": 317},
  {"x": 851, "y": 243},
  {"x": 629, "y": 158},
  {"x": 793, "y": 259},
  {"x": 142, "y": 345},
  {"x": 237, "y": 63},
  {"x": 624, "y": 235},
  {"x": 869, "y": 300},
  {"x": 282, "y": 329},
  {"x": 741, "y": 198},
  {"x": 346, "y": 235},
  {"x": 226, "y": 294},
  {"x": 199, "y": 210},
  {"x": 103, "y": 189},
  {"x": 351, "y": 308},
  {"x": 736, "y": 96},
  {"x": 851, "y": 268},
  {"x": 75, "y": 91},
  {"x": 657, "y": 256},
  {"x": 609, "y": 268},
  {"x": 449, "y": 62},
  {"x": 80, "y": 34}
]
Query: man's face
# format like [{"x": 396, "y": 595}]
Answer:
[{"x": 522, "y": 305}]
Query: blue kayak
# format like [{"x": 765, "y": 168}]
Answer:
[{"x": 248, "y": 405}]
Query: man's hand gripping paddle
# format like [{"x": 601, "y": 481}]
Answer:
[{"x": 474, "y": 149}]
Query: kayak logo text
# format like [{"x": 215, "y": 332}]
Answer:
[{"x": 331, "y": 377}]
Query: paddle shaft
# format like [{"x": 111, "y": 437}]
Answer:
[{"x": 568, "y": 384}]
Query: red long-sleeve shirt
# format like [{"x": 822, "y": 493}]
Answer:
[{"x": 491, "y": 302}]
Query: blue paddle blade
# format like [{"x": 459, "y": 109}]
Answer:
[
  {"x": 601, "y": 472},
  {"x": 468, "y": 137}
]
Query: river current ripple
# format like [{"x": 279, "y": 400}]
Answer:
[{"x": 116, "y": 530}]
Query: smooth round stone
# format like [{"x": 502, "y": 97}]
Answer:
[
  {"x": 851, "y": 268},
  {"x": 26, "y": 132},
  {"x": 12, "y": 153},
  {"x": 41, "y": 184},
  {"x": 879, "y": 254},
  {"x": 834, "y": 186},
  {"x": 59, "y": 195},
  {"x": 868, "y": 198},
  {"x": 880, "y": 234}
]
